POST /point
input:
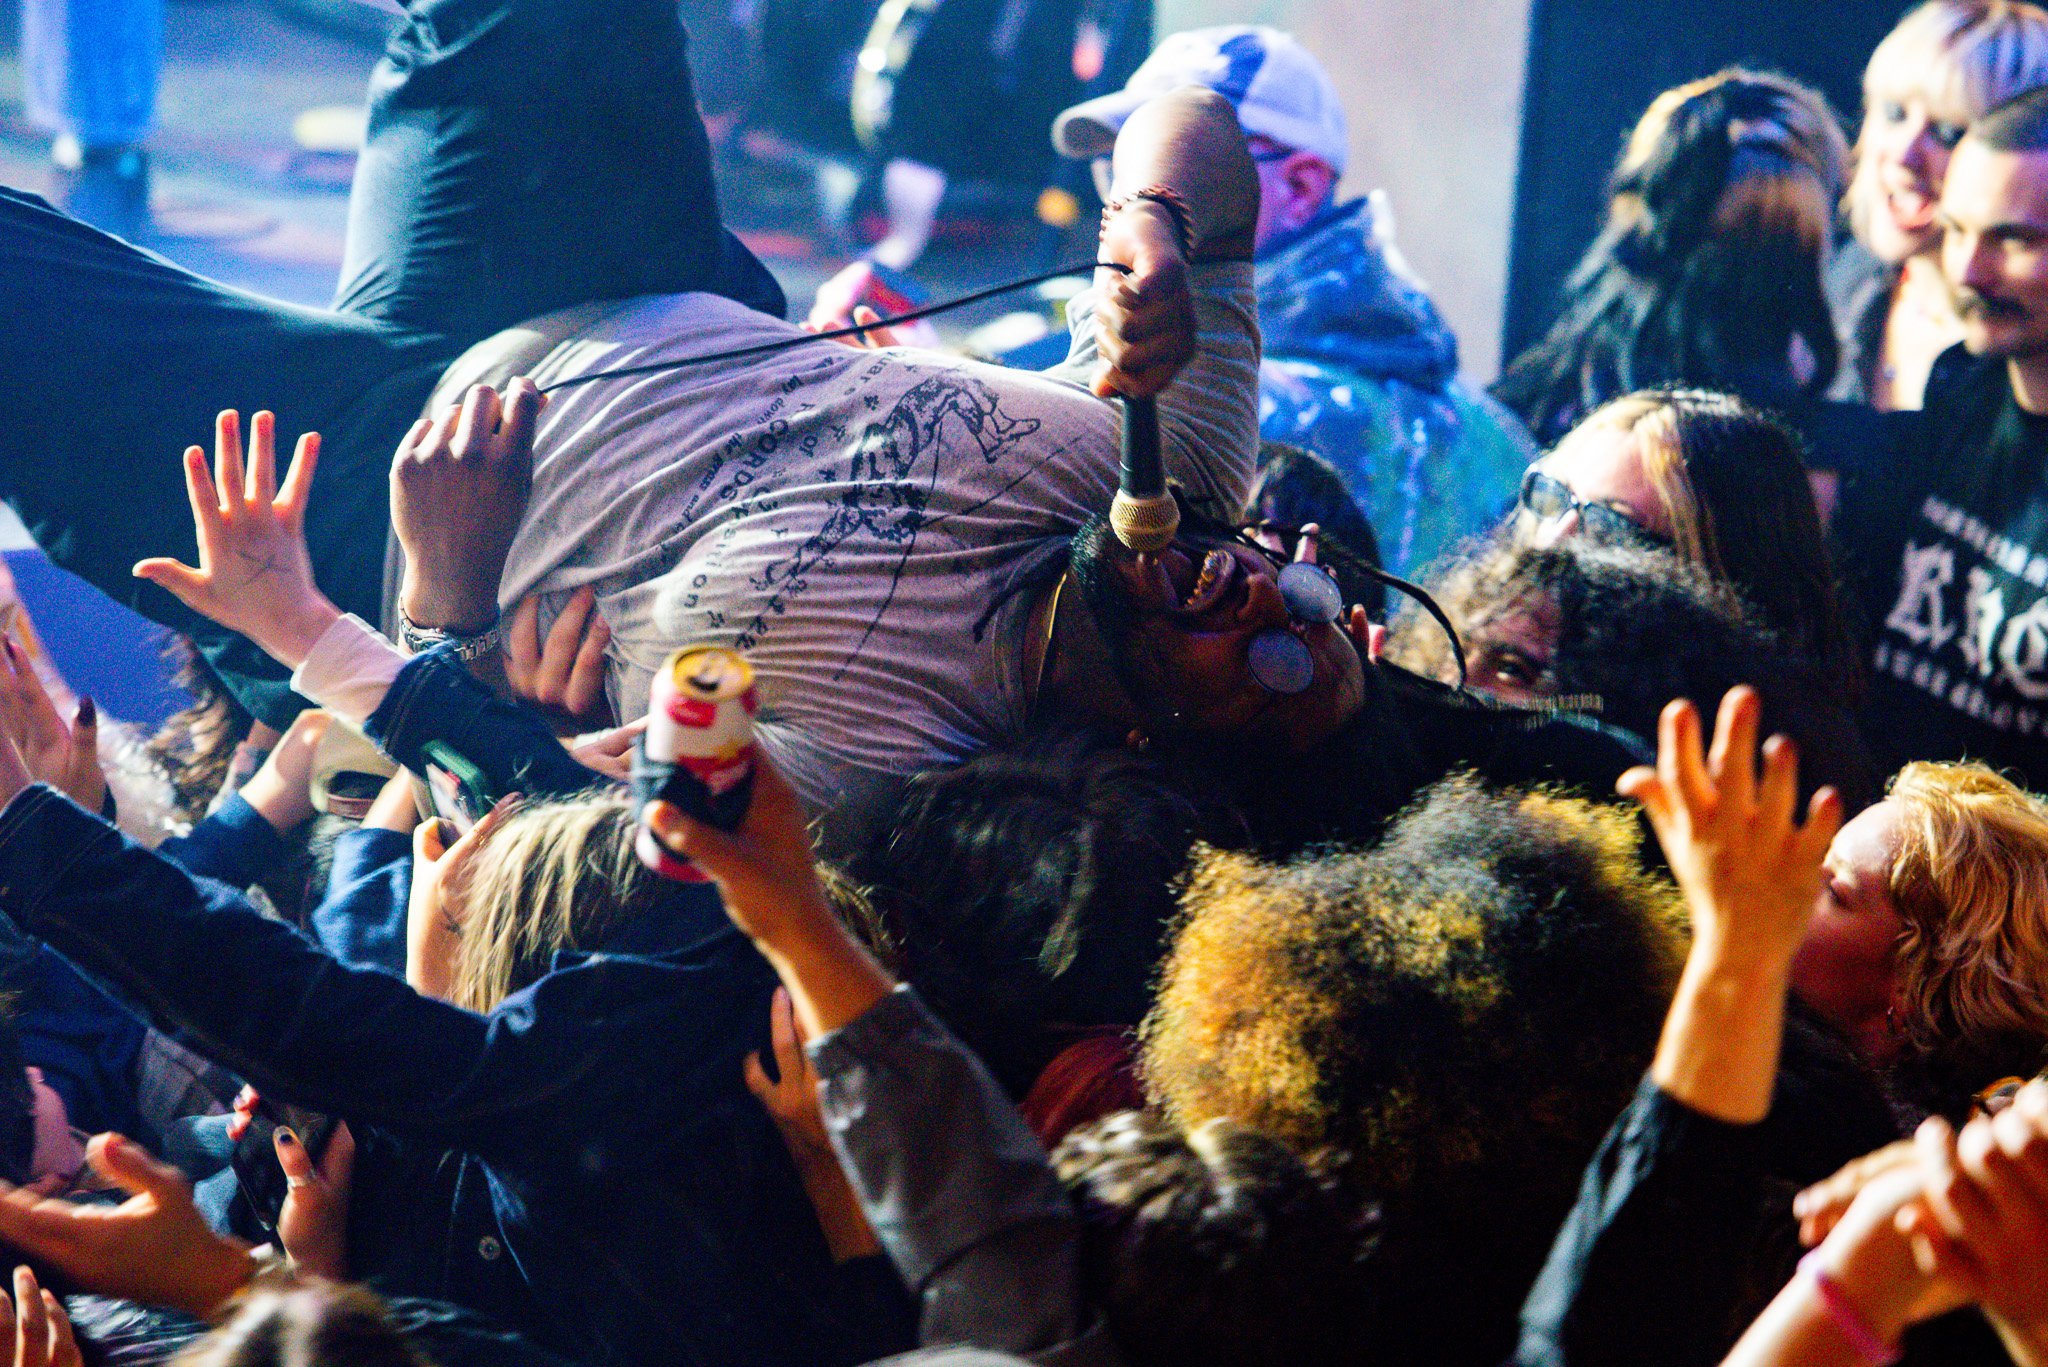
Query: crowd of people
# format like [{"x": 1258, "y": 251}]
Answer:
[{"x": 1619, "y": 934}]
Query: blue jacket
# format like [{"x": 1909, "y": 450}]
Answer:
[
  {"x": 1359, "y": 367},
  {"x": 584, "y": 1164}
]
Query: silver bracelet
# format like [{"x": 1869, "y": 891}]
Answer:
[{"x": 468, "y": 648}]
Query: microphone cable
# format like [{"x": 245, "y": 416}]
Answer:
[{"x": 835, "y": 334}]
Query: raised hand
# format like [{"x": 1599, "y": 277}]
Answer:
[
  {"x": 1751, "y": 874},
  {"x": 766, "y": 874},
  {"x": 435, "y": 911},
  {"x": 791, "y": 1097},
  {"x": 791, "y": 1100},
  {"x": 766, "y": 868},
  {"x": 564, "y": 677},
  {"x": 154, "y": 1247},
  {"x": 254, "y": 574},
  {"x": 1750, "y": 871},
  {"x": 458, "y": 489},
  {"x": 1145, "y": 325},
  {"x": 63, "y": 754}
]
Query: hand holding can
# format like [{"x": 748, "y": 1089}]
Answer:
[{"x": 698, "y": 749}]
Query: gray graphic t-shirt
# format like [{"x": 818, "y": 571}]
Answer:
[{"x": 844, "y": 517}]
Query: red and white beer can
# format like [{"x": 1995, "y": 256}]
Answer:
[{"x": 698, "y": 750}]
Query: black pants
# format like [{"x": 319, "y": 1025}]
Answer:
[{"x": 523, "y": 156}]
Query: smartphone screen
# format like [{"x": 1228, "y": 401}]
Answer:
[{"x": 452, "y": 802}]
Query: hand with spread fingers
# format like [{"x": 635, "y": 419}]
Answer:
[
  {"x": 1751, "y": 873},
  {"x": 1750, "y": 870},
  {"x": 34, "y": 1325},
  {"x": 458, "y": 491},
  {"x": 63, "y": 754},
  {"x": 254, "y": 575},
  {"x": 563, "y": 676},
  {"x": 154, "y": 1247}
]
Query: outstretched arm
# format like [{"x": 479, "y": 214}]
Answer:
[
  {"x": 255, "y": 576},
  {"x": 256, "y": 996},
  {"x": 1751, "y": 873},
  {"x": 1646, "y": 1266},
  {"x": 955, "y": 1186}
]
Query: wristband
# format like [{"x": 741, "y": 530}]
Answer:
[
  {"x": 1848, "y": 1321},
  {"x": 1167, "y": 198}
]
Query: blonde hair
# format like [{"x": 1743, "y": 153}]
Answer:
[
  {"x": 563, "y": 874},
  {"x": 1970, "y": 882},
  {"x": 554, "y": 875},
  {"x": 1963, "y": 57},
  {"x": 305, "y": 1326}
]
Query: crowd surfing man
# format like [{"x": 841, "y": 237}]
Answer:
[
  {"x": 1950, "y": 541},
  {"x": 820, "y": 508},
  {"x": 1358, "y": 366}
]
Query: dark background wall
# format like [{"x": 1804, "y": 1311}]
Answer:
[{"x": 1594, "y": 66}]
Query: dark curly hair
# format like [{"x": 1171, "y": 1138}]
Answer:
[
  {"x": 1029, "y": 888},
  {"x": 1462, "y": 1011},
  {"x": 1217, "y": 1246},
  {"x": 1295, "y": 487},
  {"x": 1637, "y": 626}
]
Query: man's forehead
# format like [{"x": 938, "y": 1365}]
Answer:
[{"x": 1987, "y": 187}]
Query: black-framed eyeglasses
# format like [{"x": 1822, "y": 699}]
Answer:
[{"x": 1547, "y": 498}]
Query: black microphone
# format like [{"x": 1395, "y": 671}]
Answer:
[{"x": 1143, "y": 515}]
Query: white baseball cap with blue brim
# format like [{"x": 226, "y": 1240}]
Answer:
[{"x": 1280, "y": 91}]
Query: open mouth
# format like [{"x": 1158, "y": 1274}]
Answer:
[
  {"x": 1911, "y": 209},
  {"x": 1195, "y": 588}
]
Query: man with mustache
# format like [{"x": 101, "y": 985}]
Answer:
[{"x": 1950, "y": 539}]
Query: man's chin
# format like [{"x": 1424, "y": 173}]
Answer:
[{"x": 2004, "y": 341}]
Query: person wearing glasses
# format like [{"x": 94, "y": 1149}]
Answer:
[
  {"x": 1720, "y": 484},
  {"x": 1358, "y": 366}
]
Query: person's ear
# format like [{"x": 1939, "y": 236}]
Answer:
[{"x": 1309, "y": 180}]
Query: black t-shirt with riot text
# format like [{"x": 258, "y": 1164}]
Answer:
[{"x": 1946, "y": 541}]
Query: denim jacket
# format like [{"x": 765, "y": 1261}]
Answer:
[{"x": 584, "y": 1164}]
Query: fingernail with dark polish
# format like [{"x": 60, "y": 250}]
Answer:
[{"x": 88, "y": 712}]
